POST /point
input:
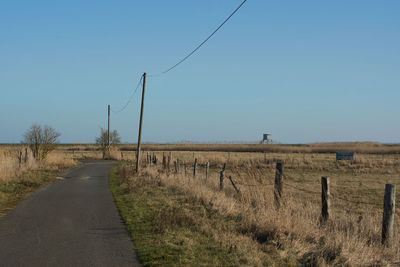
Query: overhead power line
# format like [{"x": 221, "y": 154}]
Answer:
[
  {"x": 131, "y": 97},
  {"x": 182, "y": 60},
  {"x": 202, "y": 43}
]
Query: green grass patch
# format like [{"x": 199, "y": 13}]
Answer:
[
  {"x": 169, "y": 229},
  {"x": 13, "y": 191}
]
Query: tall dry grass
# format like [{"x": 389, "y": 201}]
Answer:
[
  {"x": 12, "y": 167},
  {"x": 352, "y": 236}
]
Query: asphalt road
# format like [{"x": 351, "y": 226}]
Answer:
[{"x": 73, "y": 222}]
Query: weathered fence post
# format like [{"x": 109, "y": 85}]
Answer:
[
  {"x": 278, "y": 183},
  {"x": 164, "y": 161},
  {"x": 207, "y": 169},
  {"x": 20, "y": 158},
  {"x": 169, "y": 162},
  {"x": 234, "y": 185},
  {"x": 184, "y": 166},
  {"x": 194, "y": 167},
  {"x": 221, "y": 178},
  {"x": 265, "y": 157},
  {"x": 177, "y": 165},
  {"x": 388, "y": 213},
  {"x": 26, "y": 155},
  {"x": 325, "y": 197}
]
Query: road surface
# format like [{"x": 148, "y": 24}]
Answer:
[{"x": 73, "y": 222}]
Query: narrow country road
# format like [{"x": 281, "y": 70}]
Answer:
[{"x": 73, "y": 222}]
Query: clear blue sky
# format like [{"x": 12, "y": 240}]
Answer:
[{"x": 304, "y": 71}]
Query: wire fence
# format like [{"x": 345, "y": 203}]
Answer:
[{"x": 296, "y": 187}]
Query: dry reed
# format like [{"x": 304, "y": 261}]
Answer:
[{"x": 351, "y": 236}]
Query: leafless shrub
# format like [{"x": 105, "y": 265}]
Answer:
[
  {"x": 105, "y": 141},
  {"x": 41, "y": 140}
]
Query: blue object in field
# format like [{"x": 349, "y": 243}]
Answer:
[{"x": 344, "y": 155}]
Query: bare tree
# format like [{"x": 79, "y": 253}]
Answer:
[
  {"x": 41, "y": 140},
  {"x": 102, "y": 140}
]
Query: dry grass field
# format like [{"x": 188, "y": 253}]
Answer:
[
  {"x": 12, "y": 167},
  {"x": 352, "y": 236},
  {"x": 21, "y": 174}
]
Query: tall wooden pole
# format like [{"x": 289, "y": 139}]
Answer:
[
  {"x": 140, "y": 125},
  {"x": 108, "y": 133}
]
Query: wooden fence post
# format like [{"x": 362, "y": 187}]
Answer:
[
  {"x": 207, "y": 169},
  {"x": 234, "y": 185},
  {"x": 177, "y": 165},
  {"x": 20, "y": 158},
  {"x": 265, "y": 157},
  {"x": 169, "y": 162},
  {"x": 164, "y": 161},
  {"x": 194, "y": 167},
  {"x": 325, "y": 198},
  {"x": 221, "y": 178},
  {"x": 278, "y": 183},
  {"x": 388, "y": 213},
  {"x": 184, "y": 166},
  {"x": 26, "y": 155}
]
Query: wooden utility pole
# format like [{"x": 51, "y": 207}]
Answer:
[
  {"x": 108, "y": 134},
  {"x": 140, "y": 125}
]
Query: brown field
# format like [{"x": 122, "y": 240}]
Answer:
[
  {"x": 362, "y": 147},
  {"x": 11, "y": 169},
  {"x": 352, "y": 235}
]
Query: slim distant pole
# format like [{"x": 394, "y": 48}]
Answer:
[
  {"x": 140, "y": 125},
  {"x": 108, "y": 133}
]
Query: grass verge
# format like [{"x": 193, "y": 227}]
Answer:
[
  {"x": 13, "y": 191},
  {"x": 168, "y": 228}
]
